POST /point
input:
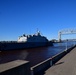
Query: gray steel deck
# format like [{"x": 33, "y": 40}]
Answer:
[{"x": 65, "y": 66}]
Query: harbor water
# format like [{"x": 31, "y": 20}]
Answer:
[{"x": 34, "y": 55}]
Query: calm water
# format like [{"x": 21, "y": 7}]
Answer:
[{"x": 34, "y": 55}]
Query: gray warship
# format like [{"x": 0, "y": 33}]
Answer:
[{"x": 26, "y": 41}]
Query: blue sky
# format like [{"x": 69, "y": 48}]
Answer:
[{"x": 25, "y": 16}]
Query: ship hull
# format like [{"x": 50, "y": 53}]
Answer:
[{"x": 22, "y": 45}]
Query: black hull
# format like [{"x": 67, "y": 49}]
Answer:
[{"x": 22, "y": 45}]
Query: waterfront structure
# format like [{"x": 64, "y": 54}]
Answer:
[{"x": 64, "y": 32}]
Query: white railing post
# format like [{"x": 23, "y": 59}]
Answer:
[
  {"x": 66, "y": 46},
  {"x": 32, "y": 71},
  {"x": 51, "y": 63},
  {"x": 74, "y": 43}
]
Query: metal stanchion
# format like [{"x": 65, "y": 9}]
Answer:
[
  {"x": 32, "y": 73},
  {"x": 66, "y": 46},
  {"x": 51, "y": 63}
]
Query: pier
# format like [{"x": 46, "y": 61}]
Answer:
[
  {"x": 61, "y": 64},
  {"x": 65, "y": 66}
]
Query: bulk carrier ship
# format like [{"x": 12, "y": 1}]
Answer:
[{"x": 26, "y": 41}]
